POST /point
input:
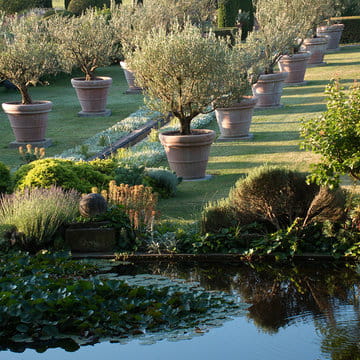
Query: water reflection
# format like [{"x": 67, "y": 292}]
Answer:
[{"x": 278, "y": 296}]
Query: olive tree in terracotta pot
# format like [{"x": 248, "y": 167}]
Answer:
[
  {"x": 235, "y": 109},
  {"x": 277, "y": 32},
  {"x": 315, "y": 43},
  {"x": 182, "y": 72},
  {"x": 132, "y": 21},
  {"x": 26, "y": 54},
  {"x": 294, "y": 62},
  {"x": 86, "y": 42}
]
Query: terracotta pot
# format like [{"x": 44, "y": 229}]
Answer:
[
  {"x": 317, "y": 48},
  {"x": 295, "y": 66},
  {"x": 234, "y": 121},
  {"x": 130, "y": 79},
  {"x": 268, "y": 90},
  {"x": 92, "y": 95},
  {"x": 188, "y": 154},
  {"x": 29, "y": 122},
  {"x": 334, "y": 33}
]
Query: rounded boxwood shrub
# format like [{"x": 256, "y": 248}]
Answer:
[
  {"x": 4, "y": 178},
  {"x": 273, "y": 195},
  {"x": 81, "y": 176},
  {"x": 274, "y": 198},
  {"x": 163, "y": 182}
]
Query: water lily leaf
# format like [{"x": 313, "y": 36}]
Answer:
[{"x": 22, "y": 328}]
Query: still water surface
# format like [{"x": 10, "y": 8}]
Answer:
[{"x": 303, "y": 312}]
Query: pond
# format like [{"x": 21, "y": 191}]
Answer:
[{"x": 305, "y": 311}]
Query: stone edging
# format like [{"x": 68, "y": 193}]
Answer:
[
  {"x": 131, "y": 139},
  {"x": 206, "y": 258}
]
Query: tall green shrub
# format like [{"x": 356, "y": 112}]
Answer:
[
  {"x": 4, "y": 178},
  {"x": 335, "y": 135},
  {"x": 227, "y": 12},
  {"x": 246, "y": 7}
]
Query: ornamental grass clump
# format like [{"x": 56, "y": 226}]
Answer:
[
  {"x": 27, "y": 52},
  {"x": 139, "y": 203},
  {"x": 37, "y": 214},
  {"x": 195, "y": 71}
]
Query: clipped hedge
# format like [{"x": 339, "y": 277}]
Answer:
[
  {"x": 79, "y": 6},
  {"x": 227, "y": 12},
  {"x": 246, "y": 6},
  {"x": 351, "y": 32},
  {"x": 14, "y": 6}
]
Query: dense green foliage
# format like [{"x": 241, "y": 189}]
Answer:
[
  {"x": 15, "y": 6},
  {"x": 4, "y": 178},
  {"x": 351, "y": 32},
  {"x": 129, "y": 174},
  {"x": 274, "y": 211},
  {"x": 246, "y": 19},
  {"x": 349, "y": 7},
  {"x": 81, "y": 176},
  {"x": 47, "y": 296},
  {"x": 335, "y": 135},
  {"x": 227, "y": 12}
]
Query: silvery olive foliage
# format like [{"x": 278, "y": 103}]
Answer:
[
  {"x": 186, "y": 73},
  {"x": 26, "y": 52},
  {"x": 132, "y": 22},
  {"x": 281, "y": 23},
  {"x": 86, "y": 42}
]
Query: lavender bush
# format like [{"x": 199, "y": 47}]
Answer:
[{"x": 37, "y": 214}]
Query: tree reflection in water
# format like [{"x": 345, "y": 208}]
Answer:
[{"x": 280, "y": 295}]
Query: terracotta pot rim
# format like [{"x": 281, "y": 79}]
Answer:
[
  {"x": 37, "y": 102},
  {"x": 302, "y": 55},
  {"x": 318, "y": 40},
  {"x": 98, "y": 82},
  {"x": 275, "y": 77},
  {"x": 330, "y": 28},
  {"x": 36, "y": 106},
  {"x": 246, "y": 102},
  {"x": 97, "y": 78},
  {"x": 195, "y": 132}
]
